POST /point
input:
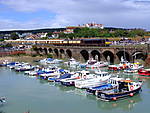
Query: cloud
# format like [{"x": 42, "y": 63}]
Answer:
[
  {"x": 119, "y": 13},
  {"x": 8, "y": 24}
]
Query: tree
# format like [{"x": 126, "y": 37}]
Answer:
[
  {"x": 14, "y": 36},
  {"x": 49, "y": 34},
  {"x": 77, "y": 30},
  {"x": 62, "y": 35},
  {"x": 1, "y": 37},
  {"x": 45, "y": 38}
]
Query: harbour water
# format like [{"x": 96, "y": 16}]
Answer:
[{"x": 24, "y": 93}]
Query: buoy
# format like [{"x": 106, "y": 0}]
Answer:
[
  {"x": 131, "y": 94},
  {"x": 84, "y": 76},
  {"x": 131, "y": 87},
  {"x": 114, "y": 98}
]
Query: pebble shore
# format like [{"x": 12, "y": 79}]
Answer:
[{"x": 21, "y": 58}]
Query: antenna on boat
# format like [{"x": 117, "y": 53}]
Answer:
[{"x": 124, "y": 52}]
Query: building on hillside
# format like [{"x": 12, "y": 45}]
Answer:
[
  {"x": 70, "y": 29},
  {"x": 23, "y": 35},
  {"x": 93, "y": 25},
  {"x": 42, "y": 35},
  {"x": 31, "y": 37},
  {"x": 55, "y": 34}
]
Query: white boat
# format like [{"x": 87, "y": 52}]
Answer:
[
  {"x": 12, "y": 66},
  {"x": 77, "y": 76},
  {"x": 72, "y": 62},
  {"x": 98, "y": 79},
  {"x": 32, "y": 72},
  {"x": 134, "y": 67},
  {"x": 110, "y": 84},
  {"x": 50, "y": 74},
  {"x": 126, "y": 88},
  {"x": 95, "y": 64},
  {"x": 44, "y": 61},
  {"x": 2, "y": 100},
  {"x": 55, "y": 61},
  {"x": 129, "y": 70},
  {"x": 121, "y": 66},
  {"x": 24, "y": 67}
]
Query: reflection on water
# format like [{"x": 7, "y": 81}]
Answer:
[
  {"x": 42, "y": 81},
  {"x": 2, "y": 112},
  {"x": 64, "y": 88},
  {"x": 15, "y": 78},
  {"x": 125, "y": 104}
]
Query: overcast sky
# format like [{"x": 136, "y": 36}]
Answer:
[{"x": 31, "y": 14}]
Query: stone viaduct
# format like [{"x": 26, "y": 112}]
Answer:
[{"x": 111, "y": 54}]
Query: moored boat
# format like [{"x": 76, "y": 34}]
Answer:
[
  {"x": 99, "y": 78},
  {"x": 133, "y": 67},
  {"x": 92, "y": 64},
  {"x": 77, "y": 76},
  {"x": 2, "y": 100},
  {"x": 110, "y": 84},
  {"x": 144, "y": 72},
  {"x": 121, "y": 66},
  {"x": 126, "y": 88},
  {"x": 72, "y": 62}
]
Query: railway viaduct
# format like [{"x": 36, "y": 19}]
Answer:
[
  {"x": 112, "y": 54},
  {"x": 83, "y": 53}
]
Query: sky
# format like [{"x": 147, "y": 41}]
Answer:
[{"x": 37, "y": 14}]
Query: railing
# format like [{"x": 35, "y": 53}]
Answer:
[{"x": 134, "y": 46}]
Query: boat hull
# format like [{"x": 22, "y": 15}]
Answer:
[
  {"x": 143, "y": 72},
  {"x": 116, "y": 96},
  {"x": 68, "y": 83}
]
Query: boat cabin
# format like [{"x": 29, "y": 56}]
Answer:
[
  {"x": 101, "y": 74},
  {"x": 127, "y": 85}
]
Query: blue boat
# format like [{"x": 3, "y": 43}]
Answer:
[
  {"x": 68, "y": 83},
  {"x": 111, "y": 83},
  {"x": 126, "y": 88},
  {"x": 66, "y": 75},
  {"x": 99, "y": 88}
]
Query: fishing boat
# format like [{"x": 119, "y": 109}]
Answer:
[
  {"x": 121, "y": 66},
  {"x": 144, "y": 72},
  {"x": 110, "y": 84},
  {"x": 126, "y": 88},
  {"x": 134, "y": 67},
  {"x": 124, "y": 64}
]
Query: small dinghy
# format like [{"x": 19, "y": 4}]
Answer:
[{"x": 2, "y": 100}]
